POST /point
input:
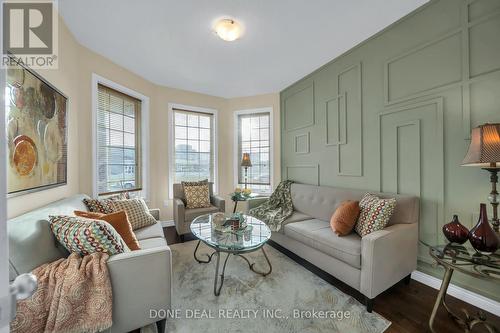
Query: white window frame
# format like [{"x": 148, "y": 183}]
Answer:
[
  {"x": 96, "y": 80},
  {"x": 171, "y": 139},
  {"x": 237, "y": 159}
]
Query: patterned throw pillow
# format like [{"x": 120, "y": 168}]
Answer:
[
  {"x": 119, "y": 221},
  {"x": 104, "y": 206},
  {"x": 137, "y": 212},
  {"x": 374, "y": 215},
  {"x": 197, "y": 196},
  {"x": 86, "y": 236}
]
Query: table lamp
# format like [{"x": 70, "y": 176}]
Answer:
[
  {"x": 246, "y": 163},
  {"x": 484, "y": 152}
]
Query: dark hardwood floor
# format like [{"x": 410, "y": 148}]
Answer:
[{"x": 408, "y": 307}]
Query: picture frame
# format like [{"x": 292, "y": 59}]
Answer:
[{"x": 37, "y": 132}]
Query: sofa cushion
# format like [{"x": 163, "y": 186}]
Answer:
[
  {"x": 197, "y": 196},
  {"x": 137, "y": 212},
  {"x": 119, "y": 221},
  {"x": 86, "y": 236},
  {"x": 179, "y": 191},
  {"x": 152, "y": 242},
  {"x": 296, "y": 217},
  {"x": 318, "y": 235},
  {"x": 320, "y": 202},
  {"x": 190, "y": 214},
  {"x": 375, "y": 214},
  {"x": 103, "y": 206},
  {"x": 151, "y": 231},
  {"x": 345, "y": 217}
]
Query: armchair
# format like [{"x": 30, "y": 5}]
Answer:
[{"x": 184, "y": 216}]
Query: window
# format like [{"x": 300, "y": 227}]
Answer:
[
  {"x": 253, "y": 136},
  {"x": 193, "y": 146},
  {"x": 118, "y": 142}
]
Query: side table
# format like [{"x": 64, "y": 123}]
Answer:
[
  {"x": 237, "y": 197},
  {"x": 455, "y": 257}
]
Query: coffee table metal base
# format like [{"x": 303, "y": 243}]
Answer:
[{"x": 251, "y": 265}]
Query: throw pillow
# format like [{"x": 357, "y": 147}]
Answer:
[
  {"x": 374, "y": 214},
  {"x": 344, "y": 218},
  {"x": 86, "y": 236},
  {"x": 120, "y": 222},
  {"x": 199, "y": 182},
  {"x": 99, "y": 206},
  {"x": 137, "y": 212},
  {"x": 197, "y": 196}
]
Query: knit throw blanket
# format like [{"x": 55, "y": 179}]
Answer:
[
  {"x": 277, "y": 208},
  {"x": 73, "y": 295}
]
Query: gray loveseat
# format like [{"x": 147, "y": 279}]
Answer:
[
  {"x": 370, "y": 264},
  {"x": 141, "y": 279}
]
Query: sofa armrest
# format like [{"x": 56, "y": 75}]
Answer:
[
  {"x": 179, "y": 215},
  {"x": 141, "y": 281},
  {"x": 255, "y": 202},
  {"x": 218, "y": 202},
  {"x": 387, "y": 256},
  {"x": 156, "y": 213}
]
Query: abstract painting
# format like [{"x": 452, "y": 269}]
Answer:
[{"x": 36, "y": 121}]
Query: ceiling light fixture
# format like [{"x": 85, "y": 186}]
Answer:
[{"x": 228, "y": 30}]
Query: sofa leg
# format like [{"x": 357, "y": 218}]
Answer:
[
  {"x": 369, "y": 304},
  {"x": 161, "y": 325},
  {"x": 182, "y": 238},
  {"x": 407, "y": 279}
]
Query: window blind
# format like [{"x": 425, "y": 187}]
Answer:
[
  {"x": 254, "y": 138},
  {"x": 193, "y": 146},
  {"x": 118, "y": 142}
]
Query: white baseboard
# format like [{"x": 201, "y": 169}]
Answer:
[
  {"x": 465, "y": 295},
  {"x": 169, "y": 223}
]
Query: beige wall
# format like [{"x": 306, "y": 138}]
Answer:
[{"x": 74, "y": 78}]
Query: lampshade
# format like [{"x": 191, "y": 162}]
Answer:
[
  {"x": 484, "y": 149},
  {"x": 245, "y": 161}
]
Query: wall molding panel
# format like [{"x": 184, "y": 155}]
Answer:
[
  {"x": 300, "y": 103},
  {"x": 399, "y": 152},
  {"x": 336, "y": 109},
  {"x": 304, "y": 141},
  {"x": 395, "y": 113},
  {"x": 427, "y": 151},
  {"x": 422, "y": 91},
  {"x": 350, "y": 143},
  {"x": 307, "y": 174}
]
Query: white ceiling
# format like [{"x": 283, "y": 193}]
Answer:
[{"x": 171, "y": 43}]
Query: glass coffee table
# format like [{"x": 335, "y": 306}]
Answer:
[
  {"x": 236, "y": 243},
  {"x": 455, "y": 257}
]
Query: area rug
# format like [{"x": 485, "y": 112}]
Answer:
[{"x": 290, "y": 299}]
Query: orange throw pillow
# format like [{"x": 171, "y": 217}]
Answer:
[
  {"x": 119, "y": 221},
  {"x": 345, "y": 217}
]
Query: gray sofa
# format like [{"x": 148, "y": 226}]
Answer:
[
  {"x": 141, "y": 279},
  {"x": 184, "y": 216},
  {"x": 370, "y": 264}
]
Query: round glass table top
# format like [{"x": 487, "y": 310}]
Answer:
[
  {"x": 467, "y": 260},
  {"x": 251, "y": 238}
]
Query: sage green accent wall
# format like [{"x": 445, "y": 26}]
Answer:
[{"x": 395, "y": 113}]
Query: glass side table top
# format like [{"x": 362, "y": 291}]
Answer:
[
  {"x": 254, "y": 236},
  {"x": 467, "y": 260}
]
